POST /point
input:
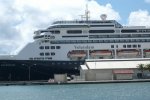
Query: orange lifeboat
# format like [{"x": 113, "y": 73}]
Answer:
[
  {"x": 147, "y": 53},
  {"x": 76, "y": 53},
  {"x": 126, "y": 52},
  {"x": 101, "y": 53}
]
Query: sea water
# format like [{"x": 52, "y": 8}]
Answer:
[{"x": 111, "y": 91}]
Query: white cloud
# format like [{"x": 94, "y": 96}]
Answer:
[
  {"x": 140, "y": 18},
  {"x": 96, "y": 10},
  {"x": 20, "y": 18}
]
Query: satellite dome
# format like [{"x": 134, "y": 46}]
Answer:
[{"x": 103, "y": 17}]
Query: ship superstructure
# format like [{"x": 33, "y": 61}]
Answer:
[
  {"x": 93, "y": 39},
  {"x": 64, "y": 46}
]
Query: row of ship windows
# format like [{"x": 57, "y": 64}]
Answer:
[
  {"x": 79, "y": 26},
  {"x": 41, "y": 58},
  {"x": 111, "y": 31},
  {"x": 103, "y": 36},
  {"x": 75, "y": 32},
  {"x": 111, "y": 36},
  {"x": 52, "y": 31},
  {"x": 128, "y": 46},
  {"x": 99, "y": 41},
  {"x": 120, "y": 36},
  {"x": 49, "y": 47},
  {"x": 47, "y": 53},
  {"x": 100, "y": 31}
]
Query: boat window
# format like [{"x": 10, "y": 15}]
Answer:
[
  {"x": 139, "y": 45},
  {"x": 41, "y": 54},
  {"x": 57, "y": 47},
  {"x": 46, "y": 47},
  {"x": 75, "y": 36},
  {"x": 145, "y": 35},
  {"x": 74, "y": 31},
  {"x": 122, "y": 41},
  {"x": 124, "y": 46},
  {"x": 47, "y": 54},
  {"x": 136, "y": 35},
  {"x": 99, "y": 41},
  {"x": 101, "y": 25},
  {"x": 41, "y": 36},
  {"x": 101, "y": 31},
  {"x": 114, "y": 36},
  {"x": 148, "y": 40},
  {"x": 138, "y": 40},
  {"x": 103, "y": 36},
  {"x": 41, "y": 47},
  {"x": 55, "y": 31},
  {"x": 112, "y": 46},
  {"x": 128, "y": 31},
  {"x": 53, "y": 53},
  {"x": 128, "y": 46},
  {"x": 95, "y": 41},
  {"x": 134, "y": 46},
  {"x": 116, "y": 41},
  {"x": 125, "y": 36},
  {"x": 133, "y": 40},
  {"x": 48, "y": 58},
  {"x": 112, "y": 41},
  {"x": 143, "y": 40},
  {"x": 106, "y": 41},
  {"x": 116, "y": 46},
  {"x": 52, "y": 47}
]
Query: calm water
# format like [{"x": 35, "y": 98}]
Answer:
[{"x": 117, "y": 91}]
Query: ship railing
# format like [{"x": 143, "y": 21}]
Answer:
[
  {"x": 134, "y": 26},
  {"x": 84, "y": 21}
]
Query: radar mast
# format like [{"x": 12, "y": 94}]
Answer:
[
  {"x": 86, "y": 16},
  {"x": 87, "y": 13}
]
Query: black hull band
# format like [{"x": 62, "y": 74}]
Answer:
[{"x": 22, "y": 70}]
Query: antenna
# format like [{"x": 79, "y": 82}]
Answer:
[
  {"x": 87, "y": 12},
  {"x": 86, "y": 16},
  {"x": 103, "y": 17}
]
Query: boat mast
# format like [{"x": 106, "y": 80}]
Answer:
[
  {"x": 86, "y": 16},
  {"x": 87, "y": 13}
]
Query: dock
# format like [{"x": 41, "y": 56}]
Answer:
[{"x": 8, "y": 83}]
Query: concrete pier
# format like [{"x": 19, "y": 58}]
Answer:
[{"x": 70, "y": 82}]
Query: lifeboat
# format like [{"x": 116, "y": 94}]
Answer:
[
  {"x": 76, "y": 53},
  {"x": 126, "y": 52},
  {"x": 147, "y": 53},
  {"x": 101, "y": 53}
]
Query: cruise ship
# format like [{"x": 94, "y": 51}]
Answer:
[{"x": 65, "y": 45}]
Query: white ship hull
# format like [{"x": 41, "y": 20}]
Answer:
[{"x": 65, "y": 45}]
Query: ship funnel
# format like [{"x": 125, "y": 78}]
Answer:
[{"x": 103, "y": 17}]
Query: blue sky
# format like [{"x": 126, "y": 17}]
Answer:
[
  {"x": 20, "y": 18},
  {"x": 125, "y": 7}
]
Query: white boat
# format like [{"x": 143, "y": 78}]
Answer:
[{"x": 51, "y": 51}]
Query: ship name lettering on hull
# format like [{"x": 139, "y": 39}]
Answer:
[{"x": 84, "y": 47}]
